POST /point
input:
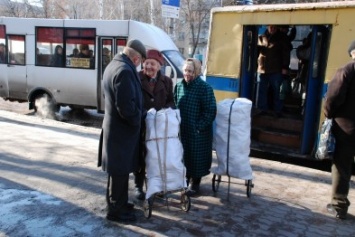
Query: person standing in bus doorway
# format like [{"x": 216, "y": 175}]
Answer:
[
  {"x": 57, "y": 58},
  {"x": 339, "y": 106},
  {"x": 157, "y": 92},
  {"x": 2, "y": 53},
  {"x": 197, "y": 104},
  {"x": 273, "y": 62},
  {"x": 106, "y": 57},
  {"x": 120, "y": 136},
  {"x": 289, "y": 35}
]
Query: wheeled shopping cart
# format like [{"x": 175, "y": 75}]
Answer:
[
  {"x": 217, "y": 179},
  {"x": 232, "y": 143},
  {"x": 164, "y": 160},
  {"x": 185, "y": 201}
]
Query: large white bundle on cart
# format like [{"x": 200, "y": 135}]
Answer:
[
  {"x": 232, "y": 138},
  {"x": 164, "y": 159}
]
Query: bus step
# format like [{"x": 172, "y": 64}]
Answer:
[
  {"x": 284, "y": 123},
  {"x": 257, "y": 147},
  {"x": 277, "y": 137}
]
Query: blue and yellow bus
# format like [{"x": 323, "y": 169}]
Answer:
[{"x": 231, "y": 64}]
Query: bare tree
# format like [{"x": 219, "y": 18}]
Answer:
[
  {"x": 13, "y": 9},
  {"x": 113, "y": 9},
  {"x": 196, "y": 14},
  {"x": 241, "y": 2}
]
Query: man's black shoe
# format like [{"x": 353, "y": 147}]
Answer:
[
  {"x": 121, "y": 217},
  {"x": 192, "y": 192},
  {"x": 139, "y": 194},
  {"x": 337, "y": 213},
  {"x": 129, "y": 206}
]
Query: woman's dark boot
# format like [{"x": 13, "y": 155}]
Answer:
[{"x": 194, "y": 187}]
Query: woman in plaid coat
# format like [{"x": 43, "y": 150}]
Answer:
[{"x": 197, "y": 104}]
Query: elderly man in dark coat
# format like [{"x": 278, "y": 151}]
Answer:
[
  {"x": 197, "y": 104},
  {"x": 339, "y": 106},
  {"x": 120, "y": 136}
]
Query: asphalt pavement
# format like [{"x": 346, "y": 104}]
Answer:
[{"x": 50, "y": 185}]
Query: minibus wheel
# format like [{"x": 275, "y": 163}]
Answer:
[{"x": 45, "y": 106}]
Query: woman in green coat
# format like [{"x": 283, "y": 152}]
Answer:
[{"x": 197, "y": 104}]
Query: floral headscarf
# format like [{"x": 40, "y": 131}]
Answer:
[{"x": 196, "y": 64}]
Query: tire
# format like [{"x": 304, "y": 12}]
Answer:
[
  {"x": 76, "y": 108},
  {"x": 45, "y": 106},
  {"x": 215, "y": 182}
]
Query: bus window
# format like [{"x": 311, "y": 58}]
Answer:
[
  {"x": 16, "y": 46},
  {"x": 83, "y": 40},
  {"x": 176, "y": 60},
  {"x": 65, "y": 47},
  {"x": 2, "y": 53},
  {"x": 3, "y": 57},
  {"x": 84, "y": 58},
  {"x": 120, "y": 43},
  {"x": 107, "y": 53},
  {"x": 48, "y": 41}
]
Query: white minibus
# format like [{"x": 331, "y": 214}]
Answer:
[{"x": 32, "y": 66}]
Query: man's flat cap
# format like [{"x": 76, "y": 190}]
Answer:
[{"x": 137, "y": 46}]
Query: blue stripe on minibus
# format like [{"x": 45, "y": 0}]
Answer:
[{"x": 223, "y": 83}]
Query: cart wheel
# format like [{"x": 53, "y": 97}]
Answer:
[
  {"x": 249, "y": 184},
  {"x": 147, "y": 208},
  {"x": 215, "y": 183},
  {"x": 185, "y": 202}
]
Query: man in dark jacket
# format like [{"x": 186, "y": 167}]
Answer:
[
  {"x": 339, "y": 106},
  {"x": 120, "y": 136},
  {"x": 273, "y": 62},
  {"x": 157, "y": 91}
]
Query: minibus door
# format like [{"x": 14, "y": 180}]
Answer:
[
  {"x": 16, "y": 67},
  {"x": 248, "y": 65},
  {"x": 314, "y": 82},
  {"x": 108, "y": 48},
  {"x": 4, "y": 91},
  {"x": 106, "y": 52}
]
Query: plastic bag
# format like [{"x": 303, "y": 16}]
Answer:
[
  {"x": 296, "y": 87},
  {"x": 326, "y": 141},
  {"x": 286, "y": 87}
]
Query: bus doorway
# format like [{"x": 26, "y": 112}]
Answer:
[
  {"x": 295, "y": 132},
  {"x": 108, "y": 48}
]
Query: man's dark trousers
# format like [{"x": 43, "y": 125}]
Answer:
[
  {"x": 117, "y": 192},
  {"x": 342, "y": 168}
]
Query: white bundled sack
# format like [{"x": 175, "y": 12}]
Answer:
[
  {"x": 238, "y": 113},
  {"x": 164, "y": 159}
]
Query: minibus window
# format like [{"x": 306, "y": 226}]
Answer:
[
  {"x": 16, "y": 46},
  {"x": 3, "y": 49}
]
